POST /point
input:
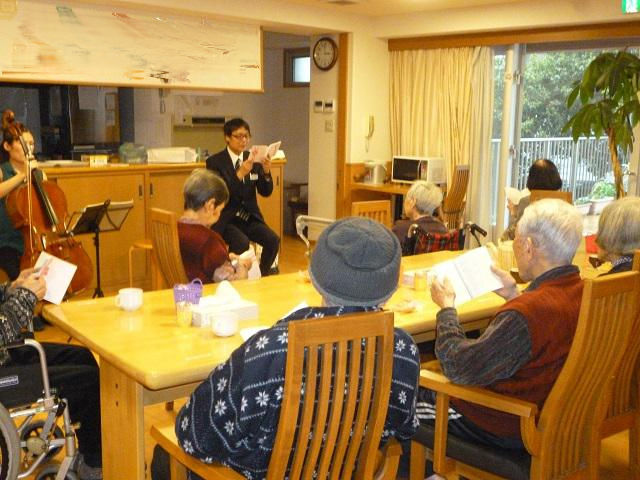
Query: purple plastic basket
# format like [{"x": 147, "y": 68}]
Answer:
[{"x": 188, "y": 292}]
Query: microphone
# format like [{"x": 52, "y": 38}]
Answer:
[{"x": 473, "y": 228}]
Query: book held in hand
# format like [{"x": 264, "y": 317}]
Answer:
[
  {"x": 260, "y": 152},
  {"x": 57, "y": 275},
  {"x": 470, "y": 274}
]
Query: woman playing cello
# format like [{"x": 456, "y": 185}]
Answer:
[{"x": 13, "y": 173}]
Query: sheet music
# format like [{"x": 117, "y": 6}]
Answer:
[{"x": 116, "y": 214}]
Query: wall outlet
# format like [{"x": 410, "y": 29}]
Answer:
[{"x": 328, "y": 125}]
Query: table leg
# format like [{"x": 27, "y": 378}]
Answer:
[{"x": 122, "y": 412}]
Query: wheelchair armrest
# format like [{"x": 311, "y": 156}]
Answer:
[{"x": 28, "y": 342}]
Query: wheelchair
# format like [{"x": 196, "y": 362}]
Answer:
[{"x": 29, "y": 432}]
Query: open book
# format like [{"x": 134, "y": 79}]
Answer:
[
  {"x": 260, "y": 152},
  {"x": 470, "y": 274}
]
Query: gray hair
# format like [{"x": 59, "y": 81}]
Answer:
[
  {"x": 555, "y": 228},
  {"x": 201, "y": 186},
  {"x": 427, "y": 196},
  {"x": 619, "y": 226}
]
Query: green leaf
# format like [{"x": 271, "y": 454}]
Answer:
[{"x": 573, "y": 95}]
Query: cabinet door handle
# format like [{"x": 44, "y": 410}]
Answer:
[
  {"x": 277, "y": 180},
  {"x": 151, "y": 190},
  {"x": 140, "y": 192}
]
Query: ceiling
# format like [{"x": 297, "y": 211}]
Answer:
[{"x": 395, "y": 7}]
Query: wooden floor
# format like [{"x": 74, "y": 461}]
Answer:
[{"x": 613, "y": 460}]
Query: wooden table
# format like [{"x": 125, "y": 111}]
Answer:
[{"x": 145, "y": 358}]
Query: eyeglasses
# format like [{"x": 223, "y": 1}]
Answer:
[{"x": 241, "y": 136}]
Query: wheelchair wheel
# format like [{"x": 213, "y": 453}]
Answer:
[
  {"x": 9, "y": 447},
  {"x": 49, "y": 472},
  {"x": 34, "y": 429}
]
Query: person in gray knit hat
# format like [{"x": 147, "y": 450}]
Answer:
[
  {"x": 356, "y": 262},
  {"x": 355, "y": 267}
]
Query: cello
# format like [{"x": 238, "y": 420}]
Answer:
[{"x": 38, "y": 209}]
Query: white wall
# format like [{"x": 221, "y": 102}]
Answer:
[
  {"x": 323, "y": 154},
  {"x": 369, "y": 95}
]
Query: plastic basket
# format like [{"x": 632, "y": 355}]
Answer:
[{"x": 188, "y": 292}]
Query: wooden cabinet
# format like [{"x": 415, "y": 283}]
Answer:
[
  {"x": 82, "y": 190},
  {"x": 149, "y": 186},
  {"x": 165, "y": 190}
]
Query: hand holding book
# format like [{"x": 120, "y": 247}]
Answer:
[{"x": 468, "y": 276}]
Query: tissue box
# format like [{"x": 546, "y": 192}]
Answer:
[{"x": 202, "y": 315}]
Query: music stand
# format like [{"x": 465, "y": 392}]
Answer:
[{"x": 101, "y": 217}]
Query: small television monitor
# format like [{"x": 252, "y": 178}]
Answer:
[{"x": 408, "y": 169}]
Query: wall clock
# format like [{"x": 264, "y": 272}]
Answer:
[{"x": 325, "y": 53}]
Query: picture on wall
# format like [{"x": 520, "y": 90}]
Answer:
[{"x": 45, "y": 41}]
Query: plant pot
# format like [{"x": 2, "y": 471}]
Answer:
[{"x": 598, "y": 205}]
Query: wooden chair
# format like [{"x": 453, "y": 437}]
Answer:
[
  {"x": 540, "y": 194},
  {"x": 624, "y": 410},
  {"x": 453, "y": 204},
  {"x": 564, "y": 440},
  {"x": 328, "y": 351},
  {"x": 379, "y": 210},
  {"x": 166, "y": 246}
]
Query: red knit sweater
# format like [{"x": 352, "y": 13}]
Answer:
[
  {"x": 202, "y": 251},
  {"x": 551, "y": 312}
]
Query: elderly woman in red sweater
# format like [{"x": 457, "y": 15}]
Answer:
[{"x": 205, "y": 255}]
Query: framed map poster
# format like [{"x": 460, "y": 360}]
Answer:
[{"x": 89, "y": 44}]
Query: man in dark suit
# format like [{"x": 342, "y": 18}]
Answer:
[{"x": 241, "y": 220}]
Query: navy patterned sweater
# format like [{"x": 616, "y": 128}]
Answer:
[{"x": 232, "y": 416}]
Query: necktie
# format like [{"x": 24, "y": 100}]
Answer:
[{"x": 237, "y": 163}]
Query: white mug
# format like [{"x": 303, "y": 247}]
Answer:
[
  {"x": 129, "y": 299},
  {"x": 225, "y": 324}
]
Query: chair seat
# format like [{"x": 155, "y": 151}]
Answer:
[{"x": 511, "y": 464}]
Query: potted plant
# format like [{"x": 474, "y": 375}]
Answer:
[
  {"x": 583, "y": 204},
  {"x": 602, "y": 193},
  {"x": 608, "y": 92}
]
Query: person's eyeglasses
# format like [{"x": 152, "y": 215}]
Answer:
[{"x": 240, "y": 136}]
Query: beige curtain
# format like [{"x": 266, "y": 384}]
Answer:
[{"x": 442, "y": 105}]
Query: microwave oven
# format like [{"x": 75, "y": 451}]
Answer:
[{"x": 406, "y": 169}]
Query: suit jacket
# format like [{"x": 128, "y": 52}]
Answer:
[{"x": 241, "y": 193}]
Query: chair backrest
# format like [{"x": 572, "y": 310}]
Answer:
[
  {"x": 559, "y": 194},
  {"x": 453, "y": 204},
  {"x": 379, "y": 210},
  {"x": 625, "y": 385},
  {"x": 345, "y": 365},
  {"x": 419, "y": 241},
  {"x": 166, "y": 246},
  {"x": 574, "y": 410}
]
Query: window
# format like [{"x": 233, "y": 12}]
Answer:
[{"x": 297, "y": 67}]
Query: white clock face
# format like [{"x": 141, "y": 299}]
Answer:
[{"x": 324, "y": 54}]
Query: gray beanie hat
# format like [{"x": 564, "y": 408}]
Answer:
[{"x": 356, "y": 262}]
